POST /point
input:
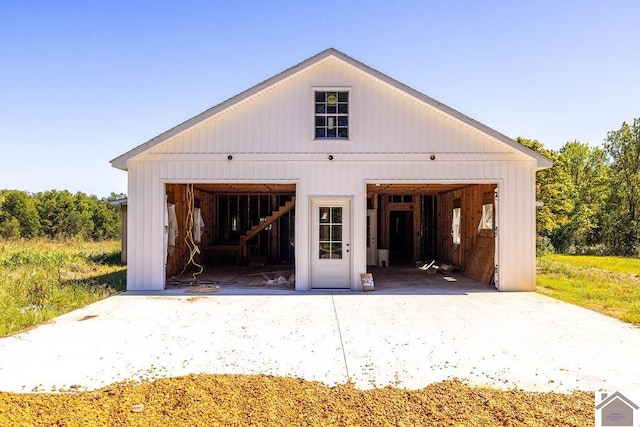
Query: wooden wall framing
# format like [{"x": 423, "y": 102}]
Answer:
[
  {"x": 177, "y": 194},
  {"x": 441, "y": 201},
  {"x": 208, "y": 199},
  {"x": 471, "y": 200}
]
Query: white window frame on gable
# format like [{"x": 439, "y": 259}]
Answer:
[{"x": 331, "y": 114}]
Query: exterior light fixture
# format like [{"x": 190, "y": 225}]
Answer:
[
  {"x": 330, "y": 157},
  {"x": 229, "y": 157}
]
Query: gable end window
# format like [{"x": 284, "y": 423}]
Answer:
[{"x": 331, "y": 115}]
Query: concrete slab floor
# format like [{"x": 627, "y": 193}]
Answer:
[{"x": 406, "y": 337}]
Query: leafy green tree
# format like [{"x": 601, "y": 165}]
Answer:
[
  {"x": 9, "y": 228},
  {"x": 63, "y": 214},
  {"x": 106, "y": 217},
  {"x": 551, "y": 187},
  {"x": 585, "y": 173},
  {"x": 623, "y": 223},
  {"x": 18, "y": 207}
]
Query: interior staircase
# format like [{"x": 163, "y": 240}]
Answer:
[{"x": 253, "y": 232}]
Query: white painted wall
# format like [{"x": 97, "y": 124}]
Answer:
[{"x": 392, "y": 135}]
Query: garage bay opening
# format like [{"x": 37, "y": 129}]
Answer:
[
  {"x": 448, "y": 225},
  {"x": 235, "y": 234}
]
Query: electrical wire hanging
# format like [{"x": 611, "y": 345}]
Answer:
[{"x": 188, "y": 238}]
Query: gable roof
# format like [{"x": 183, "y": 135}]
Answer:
[{"x": 120, "y": 162}]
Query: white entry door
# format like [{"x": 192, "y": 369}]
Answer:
[
  {"x": 372, "y": 237},
  {"x": 330, "y": 243}
]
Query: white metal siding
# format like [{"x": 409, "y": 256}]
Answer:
[
  {"x": 333, "y": 179},
  {"x": 384, "y": 122}
]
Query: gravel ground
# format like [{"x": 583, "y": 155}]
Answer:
[{"x": 239, "y": 400}]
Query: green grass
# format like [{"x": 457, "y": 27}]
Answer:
[
  {"x": 609, "y": 285},
  {"x": 42, "y": 279}
]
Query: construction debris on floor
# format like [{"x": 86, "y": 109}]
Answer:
[
  {"x": 211, "y": 279},
  {"x": 435, "y": 267}
]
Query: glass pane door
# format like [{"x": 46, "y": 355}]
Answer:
[{"x": 330, "y": 232}]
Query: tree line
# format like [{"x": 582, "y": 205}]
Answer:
[
  {"x": 58, "y": 214},
  {"x": 591, "y": 196}
]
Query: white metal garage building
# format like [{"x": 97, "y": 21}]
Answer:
[{"x": 321, "y": 166}]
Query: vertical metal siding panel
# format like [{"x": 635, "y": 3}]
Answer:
[
  {"x": 440, "y": 142},
  {"x": 192, "y": 142},
  {"x": 203, "y": 138},
  {"x": 147, "y": 225},
  {"x": 253, "y": 121},
  {"x": 522, "y": 226},
  {"x": 516, "y": 248},
  {"x": 141, "y": 218},
  {"x": 285, "y": 121},
  {"x": 156, "y": 228},
  {"x": 426, "y": 133},
  {"x": 218, "y": 136},
  {"x": 527, "y": 277},
  {"x": 519, "y": 225},
  {"x": 411, "y": 130},
  {"x": 234, "y": 129},
  {"x": 243, "y": 123},
  {"x": 171, "y": 170},
  {"x": 135, "y": 266},
  {"x": 178, "y": 147},
  {"x": 227, "y": 134},
  {"x": 289, "y": 127},
  {"x": 303, "y": 191},
  {"x": 399, "y": 124},
  {"x": 517, "y": 229},
  {"x": 212, "y": 128},
  {"x": 194, "y": 168},
  {"x": 248, "y": 125},
  {"x": 506, "y": 201},
  {"x": 365, "y": 96},
  {"x": 132, "y": 228}
]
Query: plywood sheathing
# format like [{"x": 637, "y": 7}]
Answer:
[
  {"x": 471, "y": 199},
  {"x": 480, "y": 262}
]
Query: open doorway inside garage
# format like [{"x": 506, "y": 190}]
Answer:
[
  {"x": 240, "y": 234},
  {"x": 449, "y": 224}
]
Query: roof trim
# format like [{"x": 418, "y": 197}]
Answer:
[{"x": 120, "y": 162}]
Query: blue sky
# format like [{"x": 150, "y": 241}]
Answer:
[{"x": 81, "y": 82}]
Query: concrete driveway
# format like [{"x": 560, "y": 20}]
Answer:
[{"x": 407, "y": 338}]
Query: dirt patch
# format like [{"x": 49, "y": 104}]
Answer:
[{"x": 231, "y": 400}]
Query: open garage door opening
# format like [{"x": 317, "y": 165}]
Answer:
[
  {"x": 230, "y": 234},
  {"x": 451, "y": 225}
]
